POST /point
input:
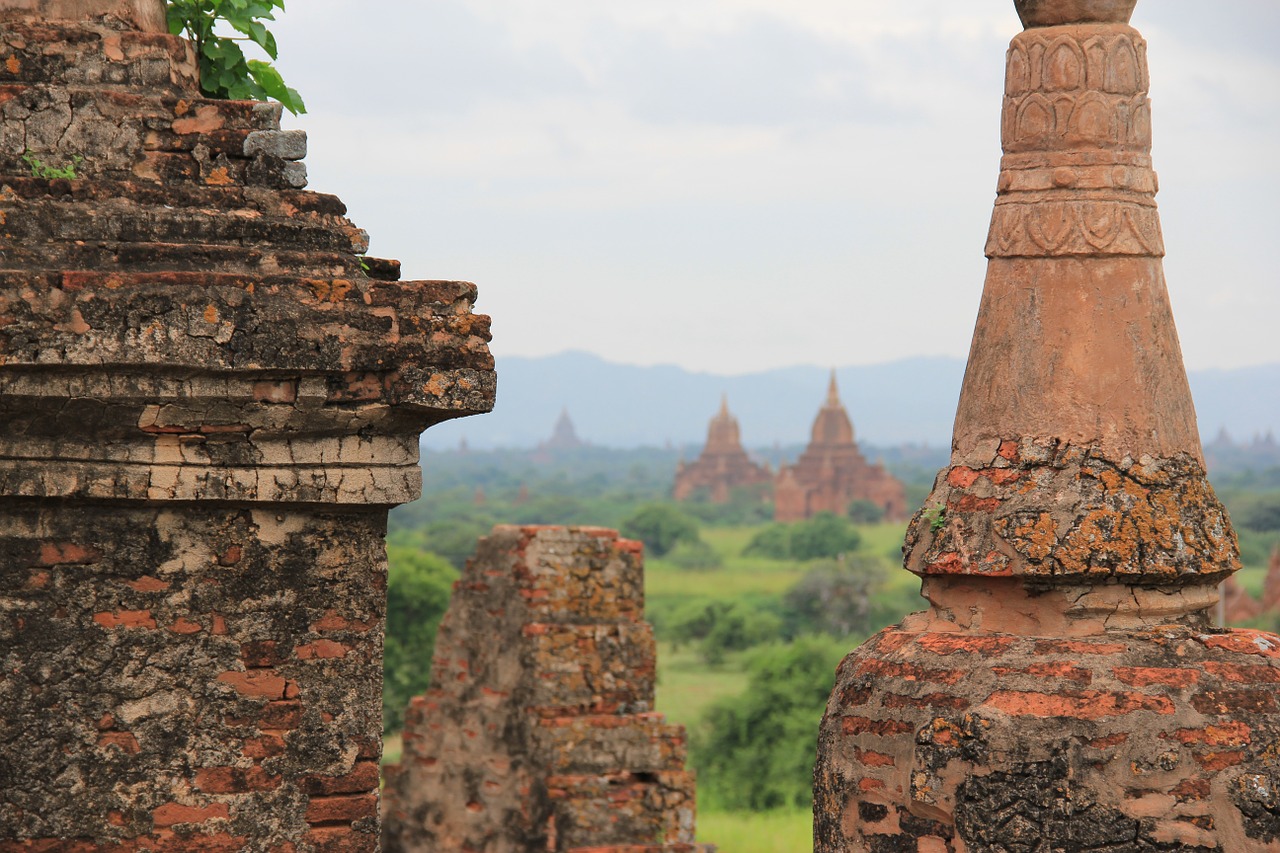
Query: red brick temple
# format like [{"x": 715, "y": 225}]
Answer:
[
  {"x": 832, "y": 472},
  {"x": 723, "y": 465}
]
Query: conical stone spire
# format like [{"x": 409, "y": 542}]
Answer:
[
  {"x": 723, "y": 464},
  {"x": 833, "y": 390},
  {"x": 1065, "y": 690}
]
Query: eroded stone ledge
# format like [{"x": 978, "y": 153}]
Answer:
[{"x": 1054, "y": 513}]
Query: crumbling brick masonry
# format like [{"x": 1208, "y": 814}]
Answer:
[
  {"x": 207, "y": 406},
  {"x": 538, "y": 732}
]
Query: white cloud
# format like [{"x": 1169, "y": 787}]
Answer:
[{"x": 739, "y": 184}]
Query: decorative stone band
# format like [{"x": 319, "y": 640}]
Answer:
[
  {"x": 383, "y": 484},
  {"x": 1101, "y": 58},
  {"x": 1079, "y": 173},
  {"x": 1060, "y": 514},
  {"x": 1060, "y": 228},
  {"x": 1065, "y": 122},
  {"x": 1076, "y": 178}
]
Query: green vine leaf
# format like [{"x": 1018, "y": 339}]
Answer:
[{"x": 225, "y": 72}]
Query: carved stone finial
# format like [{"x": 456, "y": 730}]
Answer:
[
  {"x": 1052, "y": 13},
  {"x": 145, "y": 15}
]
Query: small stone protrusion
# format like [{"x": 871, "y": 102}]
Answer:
[{"x": 285, "y": 144}]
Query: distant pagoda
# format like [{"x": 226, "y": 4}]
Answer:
[
  {"x": 832, "y": 472},
  {"x": 723, "y": 465},
  {"x": 563, "y": 435}
]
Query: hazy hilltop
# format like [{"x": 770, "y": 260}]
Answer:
[{"x": 911, "y": 401}]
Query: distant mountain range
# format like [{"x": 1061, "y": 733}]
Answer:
[{"x": 912, "y": 401}]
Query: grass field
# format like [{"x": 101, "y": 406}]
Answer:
[
  {"x": 686, "y": 685},
  {"x": 763, "y": 832}
]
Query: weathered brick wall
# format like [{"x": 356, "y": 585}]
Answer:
[
  {"x": 538, "y": 732},
  {"x": 206, "y": 407}
]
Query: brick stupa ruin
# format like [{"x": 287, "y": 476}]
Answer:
[
  {"x": 723, "y": 464},
  {"x": 538, "y": 731},
  {"x": 207, "y": 406},
  {"x": 1066, "y": 690},
  {"x": 832, "y": 472}
]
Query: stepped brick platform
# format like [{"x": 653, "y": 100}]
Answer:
[
  {"x": 1066, "y": 690},
  {"x": 208, "y": 402},
  {"x": 538, "y": 732}
]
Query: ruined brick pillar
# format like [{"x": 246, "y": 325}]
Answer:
[
  {"x": 1066, "y": 689},
  {"x": 538, "y": 733},
  {"x": 208, "y": 402}
]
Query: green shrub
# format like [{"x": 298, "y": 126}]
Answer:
[
  {"x": 660, "y": 527},
  {"x": 738, "y": 628},
  {"x": 694, "y": 555},
  {"x": 225, "y": 72},
  {"x": 1259, "y": 512},
  {"x": 755, "y": 752},
  {"x": 418, "y": 588},
  {"x": 835, "y": 597},
  {"x": 824, "y": 535},
  {"x": 865, "y": 512},
  {"x": 720, "y": 627},
  {"x": 772, "y": 541}
]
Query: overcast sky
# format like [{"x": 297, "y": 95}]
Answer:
[{"x": 734, "y": 185}]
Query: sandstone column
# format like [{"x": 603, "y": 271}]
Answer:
[
  {"x": 208, "y": 402},
  {"x": 1066, "y": 690}
]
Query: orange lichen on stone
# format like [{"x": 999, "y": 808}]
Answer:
[
  {"x": 219, "y": 177},
  {"x": 1162, "y": 524}
]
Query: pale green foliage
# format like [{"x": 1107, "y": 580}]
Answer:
[
  {"x": 824, "y": 535},
  {"x": 225, "y": 72},
  {"x": 40, "y": 169}
]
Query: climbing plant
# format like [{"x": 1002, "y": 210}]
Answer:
[{"x": 225, "y": 72}]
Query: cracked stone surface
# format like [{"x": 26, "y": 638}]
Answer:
[{"x": 208, "y": 402}]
